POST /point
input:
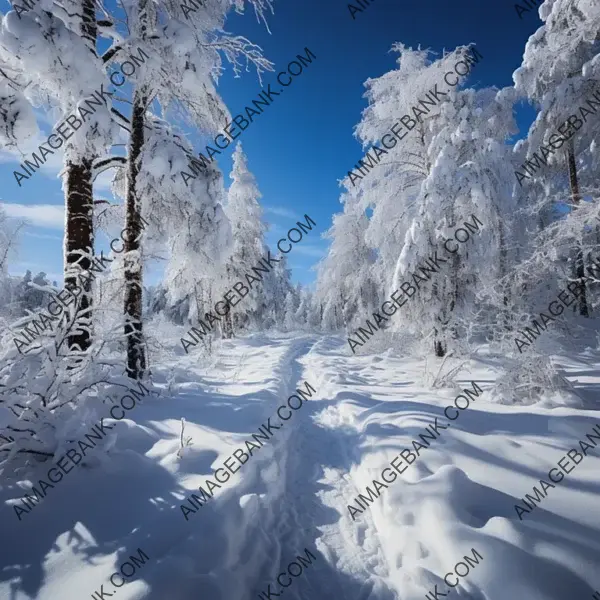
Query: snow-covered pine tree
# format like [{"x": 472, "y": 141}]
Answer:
[
  {"x": 276, "y": 287},
  {"x": 292, "y": 303},
  {"x": 248, "y": 231},
  {"x": 190, "y": 224},
  {"x": 303, "y": 315}
]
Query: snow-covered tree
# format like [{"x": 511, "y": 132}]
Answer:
[
  {"x": 184, "y": 61},
  {"x": 9, "y": 239},
  {"x": 197, "y": 230},
  {"x": 404, "y": 165},
  {"x": 390, "y": 192},
  {"x": 33, "y": 46},
  {"x": 560, "y": 71},
  {"x": 185, "y": 64},
  {"x": 304, "y": 317},
  {"x": 345, "y": 284},
  {"x": 470, "y": 178},
  {"x": 291, "y": 307},
  {"x": 277, "y": 286},
  {"x": 248, "y": 232}
]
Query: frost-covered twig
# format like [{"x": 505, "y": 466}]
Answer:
[{"x": 183, "y": 443}]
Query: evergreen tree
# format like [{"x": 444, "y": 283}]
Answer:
[{"x": 248, "y": 232}]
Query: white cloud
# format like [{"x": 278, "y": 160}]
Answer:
[
  {"x": 280, "y": 211},
  {"x": 51, "y": 216},
  {"x": 276, "y": 230}
]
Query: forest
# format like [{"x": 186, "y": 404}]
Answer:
[{"x": 414, "y": 401}]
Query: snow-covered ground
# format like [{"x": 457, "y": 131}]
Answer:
[{"x": 456, "y": 500}]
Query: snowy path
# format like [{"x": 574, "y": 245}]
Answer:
[
  {"x": 311, "y": 501},
  {"x": 294, "y": 491},
  {"x": 277, "y": 511}
]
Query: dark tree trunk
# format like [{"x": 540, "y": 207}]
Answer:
[
  {"x": 136, "y": 351},
  {"x": 89, "y": 26},
  {"x": 79, "y": 214},
  {"x": 79, "y": 247},
  {"x": 437, "y": 290},
  {"x": 503, "y": 268},
  {"x": 343, "y": 312},
  {"x": 438, "y": 346},
  {"x": 579, "y": 265},
  {"x": 227, "y": 327}
]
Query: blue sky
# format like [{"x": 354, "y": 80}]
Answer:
[{"x": 303, "y": 144}]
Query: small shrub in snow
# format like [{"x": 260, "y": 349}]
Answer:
[
  {"x": 526, "y": 379},
  {"x": 440, "y": 379}
]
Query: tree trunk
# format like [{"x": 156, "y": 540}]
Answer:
[
  {"x": 343, "y": 312},
  {"x": 79, "y": 214},
  {"x": 439, "y": 346},
  {"x": 88, "y": 26},
  {"x": 79, "y": 247},
  {"x": 576, "y": 199},
  {"x": 503, "y": 268},
  {"x": 227, "y": 326},
  {"x": 437, "y": 291},
  {"x": 136, "y": 352}
]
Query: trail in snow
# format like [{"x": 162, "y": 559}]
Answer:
[
  {"x": 282, "y": 505},
  {"x": 234, "y": 529},
  {"x": 315, "y": 465}
]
